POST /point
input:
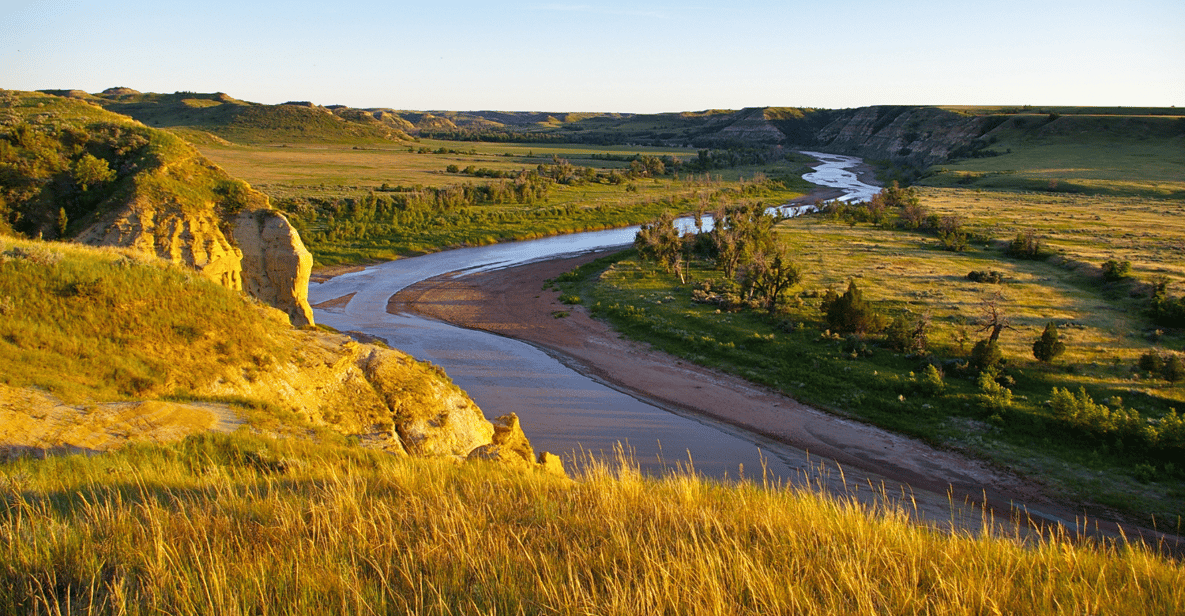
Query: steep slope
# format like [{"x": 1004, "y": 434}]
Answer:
[
  {"x": 109, "y": 339},
  {"x": 69, "y": 169}
]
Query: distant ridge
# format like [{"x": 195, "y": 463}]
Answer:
[{"x": 913, "y": 136}]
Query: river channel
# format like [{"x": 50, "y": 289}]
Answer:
[{"x": 563, "y": 411}]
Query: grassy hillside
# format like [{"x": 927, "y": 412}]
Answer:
[
  {"x": 104, "y": 324},
  {"x": 238, "y": 524},
  {"x": 243, "y": 122},
  {"x": 1083, "y": 153},
  {"x": 65, "y": 162}
]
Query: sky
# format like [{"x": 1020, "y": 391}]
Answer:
[{"x": 635, "y": 56}]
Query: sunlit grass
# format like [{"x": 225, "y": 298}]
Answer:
[
  {"x": 235, "y": 524},
  {"x": 1104, "y": 326}
]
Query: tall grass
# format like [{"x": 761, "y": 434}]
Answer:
[
  {"x": 86, "y": 323},
  {"x": 233, "y": 524}
]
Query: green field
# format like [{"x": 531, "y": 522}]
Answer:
[
  {"x": 361, "y": 204},
  {"x": 1083, "y": 154},
  {"x": 1104, "y": 325}
]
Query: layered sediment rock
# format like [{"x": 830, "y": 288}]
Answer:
[{"x": 275, "y": 263}]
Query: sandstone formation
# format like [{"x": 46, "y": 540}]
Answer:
[
  {"x": 264, "y": 256},
  {"x": 275, "y": 263},
  {"x": 171, "y": 234},
  {"x": 923, "y": 135},
  {"x": 386, "y": 396}
]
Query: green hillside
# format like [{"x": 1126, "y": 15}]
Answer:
[
  {"x": 65, "y": 162},
  {"x": 243, "y": 122}
]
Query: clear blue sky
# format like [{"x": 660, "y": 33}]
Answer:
[{"x": 629, "y": 56}]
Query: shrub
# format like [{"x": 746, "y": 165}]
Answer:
[
  {"x": 992, "y": 277},
  {"x": 1151, "y": 362},
  {"x": 1116, "y": 270},
  {"x": 995, "y": 397},
  {"x": 908, "y": 336},
  {"x": 1174, "y": 369},
  {"x": 851, "y": 313},
  {"x": 1169, "y": 366},
  {"x": 986, "y": 356},
  {"x": 1026, "y": 245},
  {"x": 1049, "y": 345},
  {"x": 930, "y": 382}
]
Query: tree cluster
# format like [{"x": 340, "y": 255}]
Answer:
[{"x": 741, "y": 244}]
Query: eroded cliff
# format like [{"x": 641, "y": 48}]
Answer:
[{"x": 73, "y": 170}]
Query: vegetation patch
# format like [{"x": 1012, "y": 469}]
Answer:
[{"x": 884, "y": 324}]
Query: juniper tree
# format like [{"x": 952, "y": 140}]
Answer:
[{"x": 1049, "y": 345}]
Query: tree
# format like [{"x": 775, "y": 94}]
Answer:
[
  {"x": 659, "y": 241},
  {"x": 985, "y": 356},
  {"x": 1049, "y": 345},
  {"x": 90, "y": 171},
  {"x": 993, "y": 318},
  {"x": 1114, "y": 270},
  {"x": 850, "y": 312},
  {"x": 1026, "y": 245},
  {"x": 63, "y": 222},
  {"x": 770, "y": 274},
  {"x": 1174, "y": 368}
]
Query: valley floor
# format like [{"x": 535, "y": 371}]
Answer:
[{"x": 510, "y": 302}]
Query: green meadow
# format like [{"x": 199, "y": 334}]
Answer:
[
  {"x": 366, "y": 203},
  {"x": 1104, "y": 325}
]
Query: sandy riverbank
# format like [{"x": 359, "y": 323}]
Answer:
[{"x": 512, "y": 302}]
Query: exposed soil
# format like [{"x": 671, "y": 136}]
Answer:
[{"x": 34, "y": 422}]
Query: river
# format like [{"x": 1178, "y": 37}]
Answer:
[{"x": 561, "y": 410}]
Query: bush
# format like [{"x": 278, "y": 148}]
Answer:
[
  {"x": 908, "y": 336},
  {"x": 1174, "y": 369},
  {"x": 930, "y": 382},
  {"x": 992, "y": 277},
  {"x": 1116, "y": 270},
  {"x": 995, "y": 397},
  {"x": 1026, "y": 245},
  {"x": 985, "y": 356},
  {"x": 1169, "y": 366},
  {"x": 1049, "y": 345},
  {"x": 851, "y": 313}
]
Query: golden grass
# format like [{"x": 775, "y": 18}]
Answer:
[
  {"x": 236, "y": 525},
  {"x": 906, "y": 271}
]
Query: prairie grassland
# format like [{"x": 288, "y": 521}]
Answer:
[
  {"x": 343, "y": 170},
  {"x": 235, "y": 524},
  {"x": 1082, "y": 154},
  {"x": 1104, "y": 326},
  {"x": 1085, "y": 229},
  {"x": 908, "y": 272}
]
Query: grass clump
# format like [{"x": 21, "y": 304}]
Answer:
[{"x": 234, "y": 523}]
